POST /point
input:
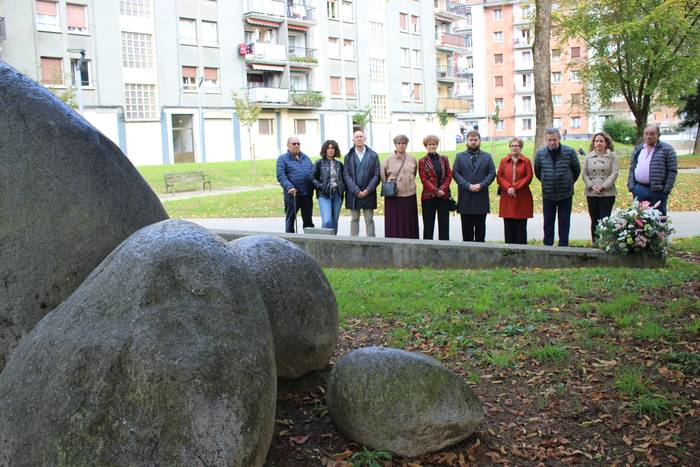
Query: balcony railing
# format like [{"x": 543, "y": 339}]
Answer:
[
  {"x": 2, "y": 29},
  {"x": 522, "y": 42},
  {"x": 302, "y": 55},
  {"x": 306, "y": 98},
  {"x": 454, "y": 104},
  {"x": 451, "y": 7},
  {"x": 268, "y": 95},
  {"x": 298, "y": 11},
  {"x": 452, "y": 72},
  {"x": 454, "y": 40},
  {"x": 264, "y": 51},
  {"x": 265, "y": 7}
]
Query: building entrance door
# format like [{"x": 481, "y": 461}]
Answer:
[{"x": 183, "y": 142}]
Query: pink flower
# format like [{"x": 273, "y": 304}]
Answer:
[
  {"x": 639, "y": 223},
  {"x": 644, "y": 204}
]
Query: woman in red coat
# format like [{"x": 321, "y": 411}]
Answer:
[
  {"x": 514, "y": 175},
  {"x": 436, "y": 175}
]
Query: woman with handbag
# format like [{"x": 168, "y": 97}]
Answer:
[
  {"x": 514, "y": 176},
  {"x": 599, "y": 172},
  {"x": 436, "y": 175},
  {"x": 398, "y": 176},
  {"x": 327, "y": 178}
]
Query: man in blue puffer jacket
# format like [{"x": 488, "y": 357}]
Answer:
[
  {"x": 557, "y": 167},
  {"x": 294, "y": 172}
]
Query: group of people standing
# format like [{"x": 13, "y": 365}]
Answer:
[{"x": 652, "y": 174}]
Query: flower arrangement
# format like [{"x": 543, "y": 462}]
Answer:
[{"x": 639, "y": 228}]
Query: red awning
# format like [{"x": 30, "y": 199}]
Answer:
[
  {"x": 262, "y": 22},
  {"x": 257, "y": 66},
  {"x": 297, "y": 28}
]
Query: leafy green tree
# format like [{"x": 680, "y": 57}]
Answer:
[
  {"x": 247, "y": 113},
  {"x": 691, "y": 115},
  {"x": 443, "y": 120},
  {"x": 622, "y": 131},
  {"x": 643, "y": 50}
]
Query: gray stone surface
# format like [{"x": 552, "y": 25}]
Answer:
[
  {"x": 400, "y": 401},
  {"x": 68, "y": 197},
  {"x": 299, "y": 300},
  {"x": 163, "y": 356}
]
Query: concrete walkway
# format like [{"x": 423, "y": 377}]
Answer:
[
  {"x": 202, "y": 194},
  {"x": 687, "y": 224}
]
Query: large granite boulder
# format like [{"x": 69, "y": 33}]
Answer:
[
  {"x": 299, "y": 300},
  {"x": 163, "y": 356},
  {"x": 68, "y": 197},
  {"x": 400, "y": 401}
]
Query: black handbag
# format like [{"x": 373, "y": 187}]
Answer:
[
  {"x": 389, "y": 187},
  {"x": 453, "y": 204}
]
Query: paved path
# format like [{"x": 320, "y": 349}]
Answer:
[
  {"x": 687, "y": 224},
  {"x": 201, "y": 194}
]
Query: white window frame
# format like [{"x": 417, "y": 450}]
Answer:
[
  {"x": 270, "y": 130},
  {"x": 556, "y": 77},
  {"x": 498, "y": 37},
  {"x": 347, "y": 13},
  {"x": 187, "y": 25},
  {"x": 348, "y": 49},
  {"x": 405, "y": 57},
  {"x": 332, "y": 9},
  {"x": 377, "y": 71},
  {"x": 140, "y": 101},
  {"x": 575, "y": 122},
  {"x": 137, "y": 50},
  {"x": 417, "y": 58},
  {"x": 206, "y": 28},
  {"x": 136, "y": 8},
  {"x": 74, "y": 30},
  {"x": 75, "y": 72},
  {"x": 379, "y": 109},
  {"x": 49, "y": 22},
  {"x": 497, "y": 14}
]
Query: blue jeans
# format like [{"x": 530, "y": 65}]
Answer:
[
  {"x": 550, "y": 208},
  {"x": 330, "y": 211},
  {"x": 644, "y": 193}
]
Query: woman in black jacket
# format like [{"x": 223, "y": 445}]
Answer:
[{"x": 329, "y": 184}]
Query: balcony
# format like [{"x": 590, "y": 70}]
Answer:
[
  {"x": 298, "y": 13},
  {"x": 450, "y": 42},
  {"x": 306, "y": 98},
  {"x": 3, "y": 36},
  {"x": 269, "y": 96},
  {"x": 522, "y": 43},
  {"x": 523, "y": 65},
  {"x": 452, "y": 74},
  {"x": 271, "y": 10},
  {"x": 264, "y": 52},
  {"x": 454, "y": 104},
  {"x": 451, "y": 11},
  {"x": 302, "y": 57}
]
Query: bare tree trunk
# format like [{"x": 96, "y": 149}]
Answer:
[
  {"x": 251, "y": 147},
  {"x": 544, "y": 109},
  {"x": 696, "y": 148}
]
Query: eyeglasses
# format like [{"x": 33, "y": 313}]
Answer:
[{"x": 295, "y": 144}]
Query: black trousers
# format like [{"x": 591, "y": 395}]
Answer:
[
  {"x": 515, "y": 230},
  {"x": 598, "y": 208},
  {"x": 441, "y": 207},
  {"x": 473, "y": 227},
  {"x": 305, "y": 203}
]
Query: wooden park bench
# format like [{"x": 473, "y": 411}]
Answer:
[{"x": 186, "y": 177}]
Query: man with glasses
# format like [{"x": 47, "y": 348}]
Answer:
[{"x": 294, "y": 172}]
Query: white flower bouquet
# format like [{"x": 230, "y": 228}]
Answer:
[{"x": 639, "y": 228}]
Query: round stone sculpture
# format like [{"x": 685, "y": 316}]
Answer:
[
  {"x": 163, "y": 356},
  {"x": 68, "y": 197},
  {"x": 299, "y": 301},
  {"x": 400, "y": 401}
]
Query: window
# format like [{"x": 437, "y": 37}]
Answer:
[
  {"x": 376, "y": 34},
  {"x": 573, "y": 76},
  {"x": 498, "y": 103},
  {"x": 498, "y": 37},
  {"x": 82, "y": 73},
  {"x": 210, "y": 33},
  {"x": 470, "y": 62},
  {"x": 556, "y": 54},
  {"x": 77, "y": 18},
  {"x": 405, "y": 57},
  {"x": 376, "y": 71},
  {"x": 575, "y": 122},
  {"x": 333, "y": 47},
  {"x": 415, "y": 24},
  {"x": 527, "y": 103},
  {"x": 266, "y": 126},
  {"x": 499, "y": 125},
  {"x": 498, "y": 81},
  {"x": 350, "y": 87},
  {"x": 498, "y": 59},
  {"x": 140, "y": 100},
  {"x": 346, "y": 11},
  {"x": 527, "y": 124},
  {"x": 211, "y": 79},
  {"x": 305, "y": 126},
  {"x": 332, "y": 9},
  {"x": 47, "y": 15},
  {"x": 467, "y": 40},
  {"x": 403, "y": 22},
  {"x": 575, "y": 99},
  {"x": 497, "y": 14},
  {"x": 575, "y": 52},
  {"x": 406, "y": 92},
  {"x": 556, "y": 99},
  {"x": 379, "y": 108},
  {"x": 418, "y": 92},
  {"x": 527, "y": 80},
  {"x": 556, "y": 77},
  {"x": 335, "y": 86},
  {"x": 188, "y": 31},
  {"x": 527, "y": 56},
  {"x": 348, "y": 49},
  {"x": 189, "y": 77},
  {"x": 557, "y": 122},
  {"x": 140, "y": 8},
  {"x": 136, "y": 50},
  {"x": 52, "y": 71},
  {"x": 417, "y": 58},
  {"x": 524, "y": 36}
]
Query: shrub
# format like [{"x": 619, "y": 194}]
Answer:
[{"x": 622, "y": 131}]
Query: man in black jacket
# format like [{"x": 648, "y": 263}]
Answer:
[
  {"x": 361, "y": 175},
  {"x": 557, "y": 167}
]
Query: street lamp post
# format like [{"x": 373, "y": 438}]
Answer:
[
  {"x": 79, "y": 77},
  {"x": 200, "y": 82}
]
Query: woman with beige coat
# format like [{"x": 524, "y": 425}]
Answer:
[
  {"x": 599, "y": 172},
  {"x": 401, "y": 210}
]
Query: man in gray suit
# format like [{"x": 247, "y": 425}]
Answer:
[
  {"x": 361, "y": 176},
  {"x": 473, "y": 171}
]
